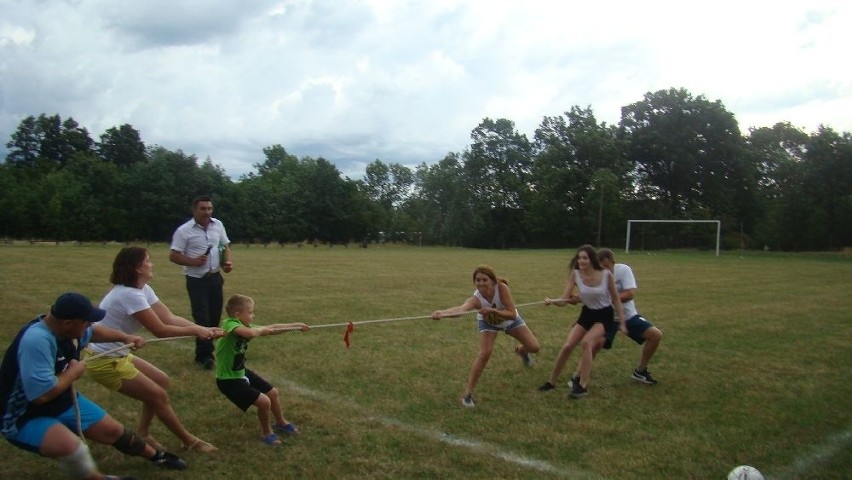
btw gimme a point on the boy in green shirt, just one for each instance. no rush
(242, 386)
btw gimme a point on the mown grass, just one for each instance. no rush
(753, 367)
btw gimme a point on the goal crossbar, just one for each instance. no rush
(717, 222)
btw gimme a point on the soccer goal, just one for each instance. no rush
(717, 222)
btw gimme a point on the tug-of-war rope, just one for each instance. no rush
(350, 327)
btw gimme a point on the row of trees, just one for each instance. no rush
(672, 156)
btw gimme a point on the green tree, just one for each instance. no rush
(292, 199)
(778, 152)
(828, 180)
(327, 212)
(388, 187)
(19, 203)
(441, 204)
(122, 146)
(46, 143)
(158, 194)
(606, 194)
(570, 150)
(271, 203)
(690, 158)
(497, 168)
(24, 144)
(81, 201)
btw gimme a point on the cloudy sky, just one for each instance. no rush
(406, 81)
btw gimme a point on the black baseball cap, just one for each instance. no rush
(75, 306)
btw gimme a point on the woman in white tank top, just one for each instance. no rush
(496, 313)
(598, 295)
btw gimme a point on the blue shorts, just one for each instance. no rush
(502, 327)
(636, 326)
(30, 435)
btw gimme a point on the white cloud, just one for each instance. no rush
(406, 81)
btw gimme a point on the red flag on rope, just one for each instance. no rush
(349, 329)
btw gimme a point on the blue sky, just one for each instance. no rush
(406, 81)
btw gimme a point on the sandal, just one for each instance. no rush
(200, 445)
(289, 428)
(150, 440)
(271, 439)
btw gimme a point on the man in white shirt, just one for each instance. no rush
(639, 329)
(202, 247)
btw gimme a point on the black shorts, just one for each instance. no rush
(610, 331)
(243, 392)
(588, 317)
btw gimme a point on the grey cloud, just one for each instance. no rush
(158, 23)
(401, 81)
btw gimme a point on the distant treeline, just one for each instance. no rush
(672, 156)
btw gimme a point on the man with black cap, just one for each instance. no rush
(38, 407)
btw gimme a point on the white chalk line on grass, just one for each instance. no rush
(819, 453)
(449, 439)
(438, 436)
(816, 454)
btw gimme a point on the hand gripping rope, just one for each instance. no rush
(350, 327)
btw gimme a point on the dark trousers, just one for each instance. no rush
(206, 300)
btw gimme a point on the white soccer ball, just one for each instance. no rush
(745, 472)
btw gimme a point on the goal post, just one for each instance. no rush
(717, 222)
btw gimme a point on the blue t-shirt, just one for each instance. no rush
(30, 368)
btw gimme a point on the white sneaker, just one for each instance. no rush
(467, 401)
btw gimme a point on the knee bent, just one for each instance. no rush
(162, 381)
(79, 464)
(158, 397)
(272, 394)
(262, 402)
(129, 443)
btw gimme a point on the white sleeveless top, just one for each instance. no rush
(596, 297)
(496, 303)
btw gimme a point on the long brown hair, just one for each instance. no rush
(125, 264)
(489, 272)
(592, 254)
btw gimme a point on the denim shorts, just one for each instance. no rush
(501, 327)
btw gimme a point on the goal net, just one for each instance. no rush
(672, 237)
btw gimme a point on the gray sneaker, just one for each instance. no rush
(467, 401)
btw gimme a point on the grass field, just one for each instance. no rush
(753, 368)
